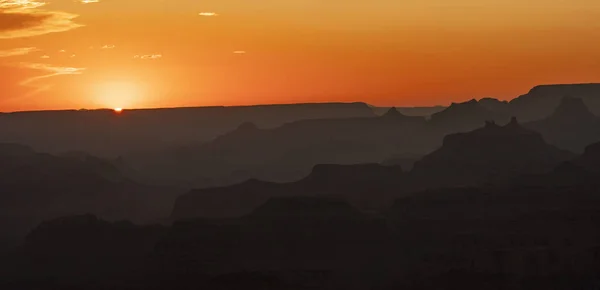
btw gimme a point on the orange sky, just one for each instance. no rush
(70, 54)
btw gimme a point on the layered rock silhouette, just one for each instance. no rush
(37, 186)
(460, 117)
(542, 100)
(572, 126)
(289, 152)
(493, 207)
(79, 249)
(395, 115)
(495, 105)
(508, 237)
(104, 133)
(364, 185)
(493, 153)
(512, 235)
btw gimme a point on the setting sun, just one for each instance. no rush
(118, 110)
(118, 94)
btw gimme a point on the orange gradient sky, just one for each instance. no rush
(167, 53)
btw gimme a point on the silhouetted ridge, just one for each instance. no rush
(83, 247)
(573, 108)
(542, 100)
(493, 135)
(229, 201)
(572, 126)
(393, 113)
(465, 116)
(490, 153)
(494, 105)
(305, 206)
(38, 186)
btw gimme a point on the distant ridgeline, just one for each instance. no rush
(217, 146)
(104, 133)
(289, 152)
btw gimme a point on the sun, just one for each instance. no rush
(117, 95)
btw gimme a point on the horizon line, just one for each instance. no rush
(292, 104)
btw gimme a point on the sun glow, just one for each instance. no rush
(118, 95)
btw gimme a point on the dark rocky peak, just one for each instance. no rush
(495, 135)
(472, 102)
(466, 115)
(490, 154)
(489, 100)
(541, 101)
(494, 104)
(572, 108)
(393, 113)
(306, 206)
(468, 105)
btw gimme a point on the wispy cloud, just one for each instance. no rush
(50, 71)
(148, 56)
(239, 52)
(208, 14)
(88, 1)
(18, 51)
(26, 18)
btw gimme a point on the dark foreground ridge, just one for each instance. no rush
(492, 237)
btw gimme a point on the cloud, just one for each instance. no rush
(208, 14)
(88, 1)
(108, 46)
(148, 56)
(26, 18)
(50, 71)
(240, 52)
(18, 51)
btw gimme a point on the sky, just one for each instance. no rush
(72, 54)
